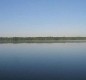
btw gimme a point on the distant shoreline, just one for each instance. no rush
(46, 41)
(42, 39)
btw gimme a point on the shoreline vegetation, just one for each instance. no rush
(42, 39)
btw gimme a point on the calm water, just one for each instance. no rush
(42, 61)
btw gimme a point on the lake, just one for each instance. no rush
(43, 61)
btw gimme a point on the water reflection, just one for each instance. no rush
(57, 61)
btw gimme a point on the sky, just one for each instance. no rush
(26, 18)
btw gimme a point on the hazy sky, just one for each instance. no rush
(42, 17)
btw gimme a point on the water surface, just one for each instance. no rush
(43, 61)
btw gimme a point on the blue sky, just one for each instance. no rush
(42, 18)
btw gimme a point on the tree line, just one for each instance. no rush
(41, 38)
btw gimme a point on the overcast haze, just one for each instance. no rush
(42, 18)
